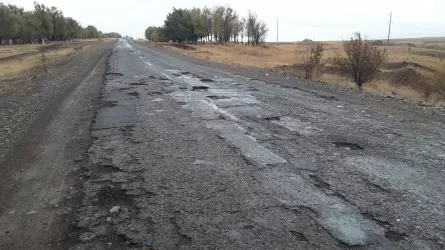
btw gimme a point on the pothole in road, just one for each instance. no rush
(272, 118)
(109, 104)
(207, 80)
(138, 83)
(133, 93)
(112, 196)
(299, 236)
(318, 182)
(114, 74)
(395, 236)
(199, 88)
(347, 145)
(217, 97)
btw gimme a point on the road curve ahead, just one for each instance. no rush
(187, 156)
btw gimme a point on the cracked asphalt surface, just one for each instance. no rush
(188, 156)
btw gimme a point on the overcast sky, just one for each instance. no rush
(298, 19)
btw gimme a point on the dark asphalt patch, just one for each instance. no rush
(348, 145)
(199, 88)
(152, 77)
(126, 88)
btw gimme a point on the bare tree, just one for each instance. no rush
(256, 30)
(242, 28)
(43, 50)
(364, 59)
(311, 60)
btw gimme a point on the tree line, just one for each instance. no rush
(42, 24)
(219, 24)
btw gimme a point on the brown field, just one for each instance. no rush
(418, 74)
(16, 59)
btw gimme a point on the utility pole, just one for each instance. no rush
(277, 31)
(390, 22)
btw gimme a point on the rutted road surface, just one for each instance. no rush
(186, 156)
(194, 157)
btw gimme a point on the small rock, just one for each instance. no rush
(12, 212)
(115, 209)
(108, 219)
(31, 212)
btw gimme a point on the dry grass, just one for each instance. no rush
(15, 59)
(417, 74)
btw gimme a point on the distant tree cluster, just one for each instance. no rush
(44, 23)
(220, 25)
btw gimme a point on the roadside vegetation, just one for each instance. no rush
(414, 69)
(220, 25)
(44, 24)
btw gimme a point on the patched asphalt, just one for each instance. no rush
(191, 156)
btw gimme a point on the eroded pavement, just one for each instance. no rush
(186, 156)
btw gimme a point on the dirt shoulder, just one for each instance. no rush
(46, 132)
(26, 94)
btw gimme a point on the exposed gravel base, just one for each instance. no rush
(19, 107)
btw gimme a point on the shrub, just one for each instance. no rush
(364, 59)
(311, 60)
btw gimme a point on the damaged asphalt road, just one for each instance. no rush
(186, 156)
